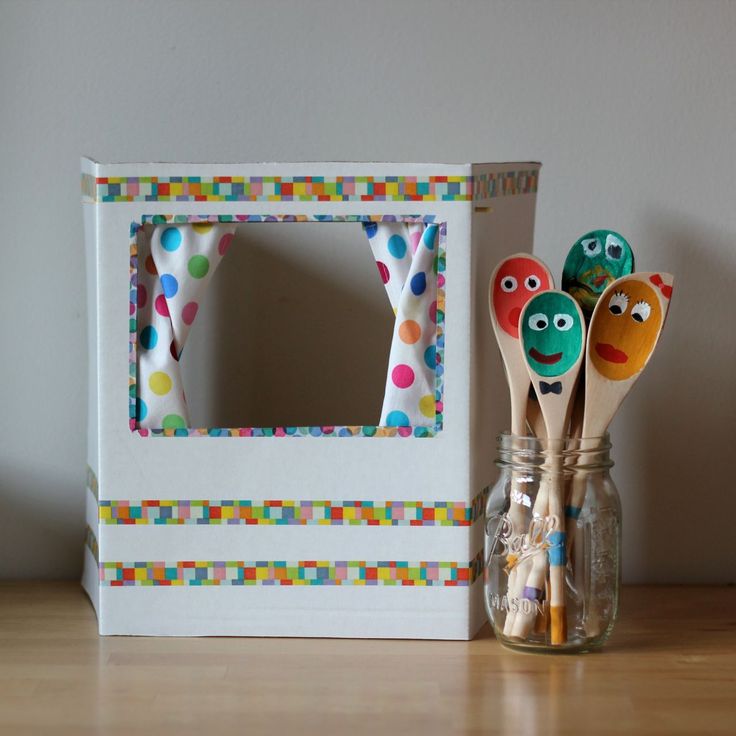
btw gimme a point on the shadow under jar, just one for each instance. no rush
(525, 544)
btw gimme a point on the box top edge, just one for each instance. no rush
(89, 161)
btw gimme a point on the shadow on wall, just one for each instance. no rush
(679, 503)
(278, 343)
(27, 514)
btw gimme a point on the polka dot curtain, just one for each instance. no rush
(405, 254)
(178, 262)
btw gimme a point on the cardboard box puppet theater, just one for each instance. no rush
(293, 394)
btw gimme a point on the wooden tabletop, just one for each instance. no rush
(670, 668)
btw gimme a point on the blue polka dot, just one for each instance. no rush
(428, 236)
(418, 283)
(170, 239)
(149, 337)
(430, 357)
(170, 285)
(397, 419)
(371, 228)
(397, 246)
(141, 410)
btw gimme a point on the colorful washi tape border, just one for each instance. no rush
(308, 188)
(90, 541)
(282, 573)
(440, 266)
(291, 512)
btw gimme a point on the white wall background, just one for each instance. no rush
(631, 107)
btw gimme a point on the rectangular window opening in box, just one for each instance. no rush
(286, 325)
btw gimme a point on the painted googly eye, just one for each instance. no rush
(641, 311)
(508, 284)
(614, 248)
(538, 322)
(563, 322)
(591, 247)
(618, 303)
(532, 283)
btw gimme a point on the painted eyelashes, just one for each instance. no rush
(624, 334)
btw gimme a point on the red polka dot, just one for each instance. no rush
(151, 266)
(224, 243)
(383, 270)
(161, 306)
(433, 312)
(402, 376)
(132, 309)
(404, 431)
(142, 296)
(440, 280)
(189, 312)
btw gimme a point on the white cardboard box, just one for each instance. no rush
(176, 542)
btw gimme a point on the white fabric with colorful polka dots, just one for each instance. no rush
(178, 262)
(405, 255)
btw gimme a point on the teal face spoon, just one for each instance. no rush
(552, 343)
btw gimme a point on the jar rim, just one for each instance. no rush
(582, 452)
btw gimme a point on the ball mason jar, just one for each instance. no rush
(551, 579)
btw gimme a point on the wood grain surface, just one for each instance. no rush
(670, 668)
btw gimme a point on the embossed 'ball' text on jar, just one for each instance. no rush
(524, 543)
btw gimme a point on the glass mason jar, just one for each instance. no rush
(552, 544)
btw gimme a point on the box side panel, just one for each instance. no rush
(90, 574)
(502, 224)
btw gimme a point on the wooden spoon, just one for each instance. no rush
(513, 282)
(595, 261)
(552, 342)
(624, 331)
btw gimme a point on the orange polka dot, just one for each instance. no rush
(150, 266)
(410, 331)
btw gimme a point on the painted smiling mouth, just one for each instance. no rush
(546, 359)
(610, 353)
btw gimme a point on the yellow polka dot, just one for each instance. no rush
(160, 383)
(426, 406)
(202, 227)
